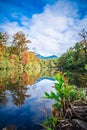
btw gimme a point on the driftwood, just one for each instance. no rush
(78, 119)
(79, 110)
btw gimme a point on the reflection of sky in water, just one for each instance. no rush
(37, 90)
(27, 116)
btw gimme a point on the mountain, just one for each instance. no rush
(47, 57)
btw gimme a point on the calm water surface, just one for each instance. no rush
(21, 102)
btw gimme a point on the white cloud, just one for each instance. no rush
(53, 31)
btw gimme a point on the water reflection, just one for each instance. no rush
(21, 97)
(77, 78)
(17, 84)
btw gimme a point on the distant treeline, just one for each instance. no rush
(17, 55)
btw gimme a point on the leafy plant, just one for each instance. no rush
(85, 67)
(50, 123)
(64, 96)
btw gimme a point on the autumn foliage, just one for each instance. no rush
(17, 55)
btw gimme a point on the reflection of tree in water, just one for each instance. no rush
(3, 97)
(48, 72)
(18, 93)
(27, 79)
(77, 78)
(17, 82)
(13, 83)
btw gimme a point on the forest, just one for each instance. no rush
(15, 55)
(26, 68)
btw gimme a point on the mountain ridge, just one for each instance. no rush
(45, 57)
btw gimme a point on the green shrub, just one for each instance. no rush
(64, 96)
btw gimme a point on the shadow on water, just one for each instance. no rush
(21, 103)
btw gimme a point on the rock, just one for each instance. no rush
(80, 124)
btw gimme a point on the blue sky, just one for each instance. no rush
(51, 25)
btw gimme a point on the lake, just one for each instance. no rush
(21, 104)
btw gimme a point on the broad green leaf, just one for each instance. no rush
(52, 94)
(57, 86)
(57, 76)
(46, 95)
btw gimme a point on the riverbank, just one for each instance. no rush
(70, 108)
